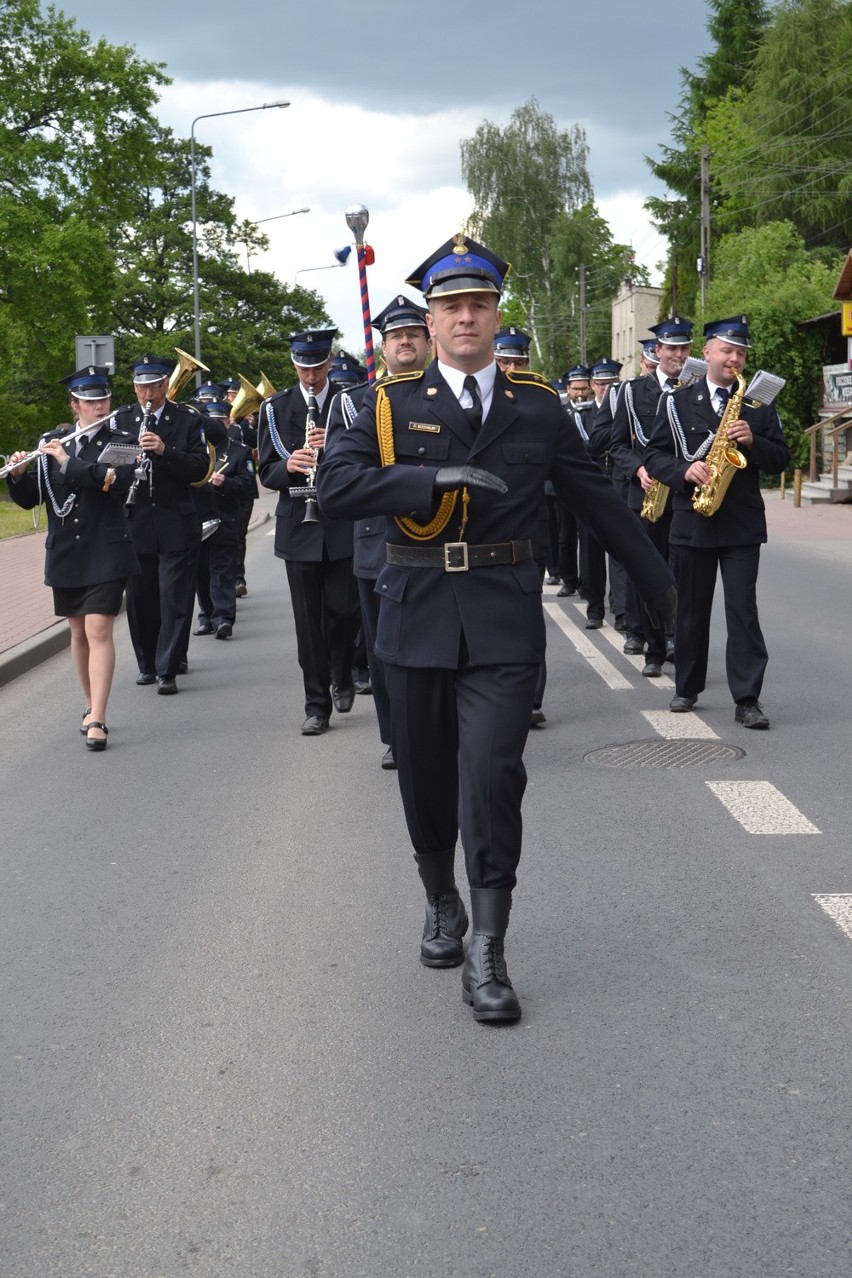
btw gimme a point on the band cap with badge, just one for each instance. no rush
(512, 343)
(734, 330)
(91, 382)
(312, 347)
(151, 368)
(675, 331)
(400, 313)
(346, 371)
(606, 370)
(460, 266)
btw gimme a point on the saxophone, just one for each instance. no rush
(723, 458)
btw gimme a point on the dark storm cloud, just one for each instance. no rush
(608, 63)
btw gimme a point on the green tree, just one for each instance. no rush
(782, 146)
(524, 180)
(246, 316)
(584, 239)
(736, 28)
(768, 272)
(75, 119)
(95, 227)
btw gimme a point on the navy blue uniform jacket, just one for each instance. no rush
(164, 517)
(294, 539)
(525, 439)
(369, 534)
(91, 544)
(635, 412)
(741, 519)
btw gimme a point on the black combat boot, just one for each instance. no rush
(446, 917)
(485, 981)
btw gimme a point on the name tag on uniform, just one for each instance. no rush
(427, 426)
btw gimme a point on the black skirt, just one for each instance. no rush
(103, 597)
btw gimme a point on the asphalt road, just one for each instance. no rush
(222, 1057)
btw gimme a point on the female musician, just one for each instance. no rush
(89, 554)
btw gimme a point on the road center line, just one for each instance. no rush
(760, 808)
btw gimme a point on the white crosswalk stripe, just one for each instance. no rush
(838, 906)
(598, 662)
(760, 808)
(679, 727)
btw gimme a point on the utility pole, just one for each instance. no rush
(704, 259)
(582, 270)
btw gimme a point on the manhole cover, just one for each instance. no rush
(664, 754)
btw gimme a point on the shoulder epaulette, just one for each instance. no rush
(524, 378)
(393, 378)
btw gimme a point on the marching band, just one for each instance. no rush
(417, 510)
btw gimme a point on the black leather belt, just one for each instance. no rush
(458, 556)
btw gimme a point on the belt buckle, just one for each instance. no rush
(455, 556)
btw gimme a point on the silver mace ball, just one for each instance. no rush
(357, 217)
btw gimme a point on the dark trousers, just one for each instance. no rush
(567, 533)
(159, 609)
(458, 739)
(638, 621)
(216, 585)
(244, 521)
(592, 572)
(370, 620)
(745, 652)
(324, 598)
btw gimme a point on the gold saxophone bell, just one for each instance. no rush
(185, 369)
(248, 400)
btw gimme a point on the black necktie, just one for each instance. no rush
(671, 382)
(723, 394)
(474, 413)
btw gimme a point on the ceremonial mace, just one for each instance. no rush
(357, 218)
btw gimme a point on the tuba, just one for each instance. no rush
(186, 367)
(264, 386)
(247, 401)
(723, 458)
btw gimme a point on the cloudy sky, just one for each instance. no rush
(381, 93)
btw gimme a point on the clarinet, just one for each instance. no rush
(308, 491)
(143, 468)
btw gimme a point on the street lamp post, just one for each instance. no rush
(265, 106)
(274, 218)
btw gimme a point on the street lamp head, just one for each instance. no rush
(268, 105)
(357, 218)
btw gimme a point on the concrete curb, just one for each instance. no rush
(32, 652)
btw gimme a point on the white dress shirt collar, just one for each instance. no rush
(454, 377)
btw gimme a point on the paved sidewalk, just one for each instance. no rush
(29, 631)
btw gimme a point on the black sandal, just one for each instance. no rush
(96, 743)
(84, 728)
